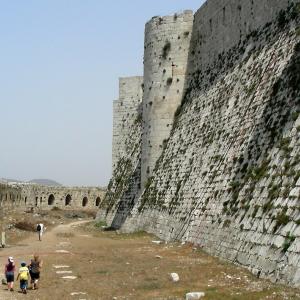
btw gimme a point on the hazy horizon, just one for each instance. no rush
(60, 63)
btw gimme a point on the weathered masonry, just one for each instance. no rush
(10, 196)
(32, 195)
(126, 110)
(166, 47)
(225, 174)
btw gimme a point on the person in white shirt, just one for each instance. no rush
(40, 228)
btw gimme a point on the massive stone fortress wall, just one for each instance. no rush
(127, 128)
(220, 25)
(167, 41)
(227, 178)
(126, 110)
(137, 146)
(63, 197)
(9, 196)
(46, 197)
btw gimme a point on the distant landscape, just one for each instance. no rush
(48, 182)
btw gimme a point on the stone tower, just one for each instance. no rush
(125, 112)
(167, 42)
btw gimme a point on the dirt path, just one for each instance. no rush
(101, 265)
(51, 245)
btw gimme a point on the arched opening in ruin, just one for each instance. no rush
(51, 199)
(84, 201)
(36, 201)
(98, 200)
(25, 200)
(68, 200)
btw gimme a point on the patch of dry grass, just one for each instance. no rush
(129, 266)
(26, 226)
(65, 234)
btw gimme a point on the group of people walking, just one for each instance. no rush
(25, 272)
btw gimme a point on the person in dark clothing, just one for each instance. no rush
(34, 271)
(10, 273)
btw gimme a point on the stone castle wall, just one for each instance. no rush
(123, 189)
(221, 25)
(47, 197)
(125, 112)
(141, 140)
(227, 177)
(167, 41)
(10, 196)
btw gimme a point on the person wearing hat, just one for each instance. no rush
(10, 273)
(23, 275)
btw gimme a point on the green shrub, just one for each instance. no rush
(287, 243)
(295, 115)
(274, 192)
(234, 185)
(281, 220)
(100, 224)
(258, 173)
(226, 223)
(267, 206)
(138, 119)
(282, 19)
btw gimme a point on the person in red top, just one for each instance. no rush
(10, 273)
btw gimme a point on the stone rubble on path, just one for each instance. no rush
(174, 277)
(60, 266)
(64, 272)
(62, 251)
(77, 293)
(194, 295)
(69, 277)
(64, 244)
(157, 242)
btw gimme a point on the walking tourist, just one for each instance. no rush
(40, 229)
(23, 275)
(10, 273)
(35, 269)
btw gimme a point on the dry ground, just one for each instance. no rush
(109, 265)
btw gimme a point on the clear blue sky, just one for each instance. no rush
(60, 61)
